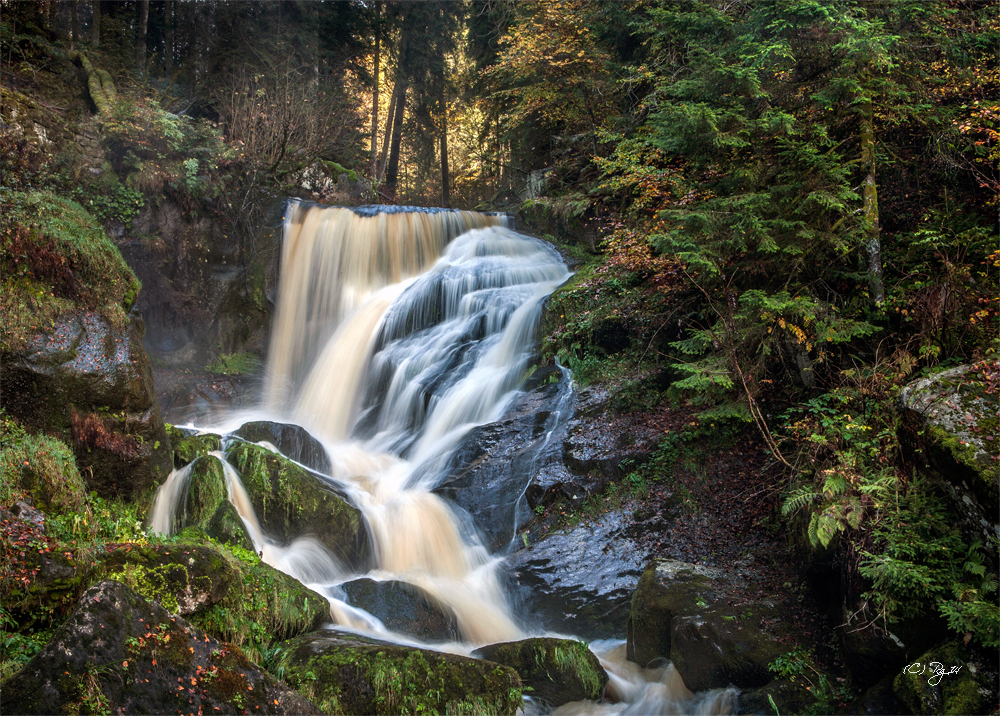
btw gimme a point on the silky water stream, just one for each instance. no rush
(397, 331)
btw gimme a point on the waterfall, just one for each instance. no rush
(396, 332)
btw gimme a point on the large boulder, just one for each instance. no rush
(118, 653)
(579, 580)
(948, 679)
(403, 608)
(355, 675)
(291, 502)
(92, 379)
(686, 613)
(557, 670)
(953, 420)
(293, 441)
(183, 579)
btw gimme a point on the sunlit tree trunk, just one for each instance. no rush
(869, 195)
(392, 168)
(388, 129)
(445, 195)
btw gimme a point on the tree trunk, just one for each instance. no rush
(74, 23)
(873, 243)
(388, 128)
(143, 25)
(445, 194)
(392, 169)
(95, 23)
(168, 38)
(378, 34)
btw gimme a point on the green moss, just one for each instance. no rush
(359, 675)
(234, 364)
(188, 448)
(261, 607)
(206, 491)
(290, 502)
(56, 257)
(966, 691)
(558, 670)
(41, 468)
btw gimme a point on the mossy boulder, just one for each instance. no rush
(948, 679)
(39, 580)
(182, 578)
(119, 653)
(291, 502)
(262, 606)
(189, 446)
(41, 469)
(667, 588)
(227, 527)
(206, 492)
(404, 608)
(557, 670)
(353, 675)
(952, 421)
(71, 356)
(684, 612)
(293, 441)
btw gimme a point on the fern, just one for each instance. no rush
(801, 497)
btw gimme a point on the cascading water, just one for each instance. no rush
(396, 333)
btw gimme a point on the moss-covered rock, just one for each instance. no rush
(948, 679)
(206, 492)
(354, 675)
(666, 589)
(183, 578)
(227, 527)
(188, 447)
(403, 608)
(39, 579)
(291, 502)
(293, 441)
(118, 653)
(40, 468)
(557, 670)
(684, 612)
(952, 422)
(263, 605)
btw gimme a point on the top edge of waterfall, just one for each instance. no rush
(369, 210)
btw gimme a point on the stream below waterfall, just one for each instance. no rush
(397, 332)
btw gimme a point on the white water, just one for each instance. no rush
(394, 336)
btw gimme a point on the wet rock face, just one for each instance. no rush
(356, 675)
(557, 670)
(578, 581)
(956, 423)
(497, 462)
(293, 441)
(686, 613)
(404, 608)
(93, 380)
(188, 446)
(291, 502)
(119, 653)
(197, 297)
